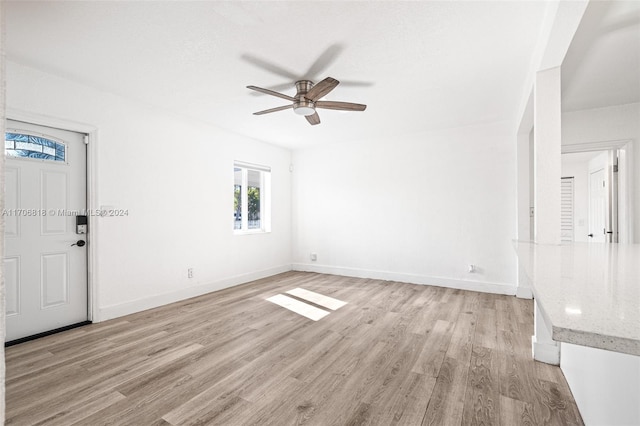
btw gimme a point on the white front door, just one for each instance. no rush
(597, 207)
(45, 189)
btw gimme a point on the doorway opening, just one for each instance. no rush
(597, 203)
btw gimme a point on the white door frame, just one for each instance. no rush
(625, 175)
(92, 194)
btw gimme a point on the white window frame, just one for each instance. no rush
(265, 198)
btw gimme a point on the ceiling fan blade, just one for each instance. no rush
(350, 83)
(313, 119)
(342, 106)
(324, 61)
(267, 111)
(321, 89)
(271, 92)
(275, 69)
(277, 87)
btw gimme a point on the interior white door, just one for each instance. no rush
(597, 206)
(45, 188)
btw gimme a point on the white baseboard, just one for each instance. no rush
(524, 293)
(138, 305)
(481, 286)
(548, 352)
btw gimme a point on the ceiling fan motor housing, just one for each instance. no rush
(302, 105)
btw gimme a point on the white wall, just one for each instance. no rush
(418, 208)
(176, 179)
(621, 122)
(604, 384)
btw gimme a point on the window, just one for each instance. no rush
(251, 202)
(24, 145)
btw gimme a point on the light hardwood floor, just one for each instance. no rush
(395, 354)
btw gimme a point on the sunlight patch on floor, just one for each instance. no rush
(298, 307)
(317, 298)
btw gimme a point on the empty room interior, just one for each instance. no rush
(320, 212)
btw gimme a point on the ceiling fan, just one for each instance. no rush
(323, 62)
(307, 99)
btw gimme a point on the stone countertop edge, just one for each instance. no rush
(596, 340)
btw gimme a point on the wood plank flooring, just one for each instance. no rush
(396, 354)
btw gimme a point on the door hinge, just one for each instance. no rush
(615, 168)
(86, 139)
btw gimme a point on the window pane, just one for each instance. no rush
(237, 198)
(253, 198)
(29, 146)
(251, 204)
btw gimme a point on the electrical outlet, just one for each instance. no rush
(190, 273)
(314, 257)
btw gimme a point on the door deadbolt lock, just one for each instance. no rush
(81, 224)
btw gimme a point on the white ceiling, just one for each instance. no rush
(424, 65)
(602, 66)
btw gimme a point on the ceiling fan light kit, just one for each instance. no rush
(307, 99)
(302, 105)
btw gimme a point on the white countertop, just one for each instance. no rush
(588, 292)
